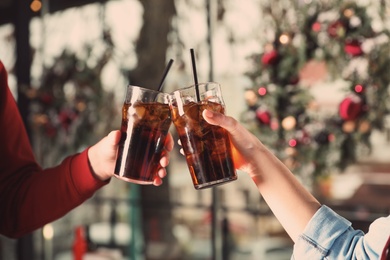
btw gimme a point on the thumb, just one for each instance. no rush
(233, 128)
(113, 138)
(227, 122)
(102, 155)
(110, 144)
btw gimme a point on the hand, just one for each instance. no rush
(102, 157)
(164, 161)
(245, 146)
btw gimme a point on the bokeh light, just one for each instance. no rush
(36, 6)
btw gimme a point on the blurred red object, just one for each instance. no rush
(350, 108)
(80, 245)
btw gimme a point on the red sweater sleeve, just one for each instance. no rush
(31, 196)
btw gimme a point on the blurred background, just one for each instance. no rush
(309, 78)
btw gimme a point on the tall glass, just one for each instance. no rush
(206, 147)
(145, 124)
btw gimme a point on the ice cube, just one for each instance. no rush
(191, 110)
(216, 107)
(140, 111)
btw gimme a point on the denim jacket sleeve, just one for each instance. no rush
(330, 236)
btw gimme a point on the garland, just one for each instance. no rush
(281, 110)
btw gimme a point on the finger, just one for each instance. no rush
(227, 122)
(162, 172)
(108, 146)
(164, 161)
(169, 143)
(114, 137)
(179, 142)
(182, 151)
(242, 140)
(157, 181)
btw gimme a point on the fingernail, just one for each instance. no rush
(209, 113)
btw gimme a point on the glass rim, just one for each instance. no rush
(199, 84)
(147, 89)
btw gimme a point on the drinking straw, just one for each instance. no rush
(167, 68)
(195, 74)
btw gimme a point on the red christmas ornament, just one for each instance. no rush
(336, 29)
(263, 116)
(269, 58)
(353, 48)
(350, 108)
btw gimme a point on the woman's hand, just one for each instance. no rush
(102, 157)
(245, 146)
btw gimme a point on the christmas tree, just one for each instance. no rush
(282, 112)
(70, 109)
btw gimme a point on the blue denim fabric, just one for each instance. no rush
(330, 236)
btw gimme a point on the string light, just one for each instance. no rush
(292, 142)
(36, 6)
(48, 232)
(262, 91)
(358, 88)
(289, 122)
(348, 13)
(284, 39)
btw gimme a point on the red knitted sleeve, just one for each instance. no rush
(31, 196)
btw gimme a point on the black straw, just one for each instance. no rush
(195, 74)
(167, 68)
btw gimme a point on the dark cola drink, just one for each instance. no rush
(206, 147)
(143, 133)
